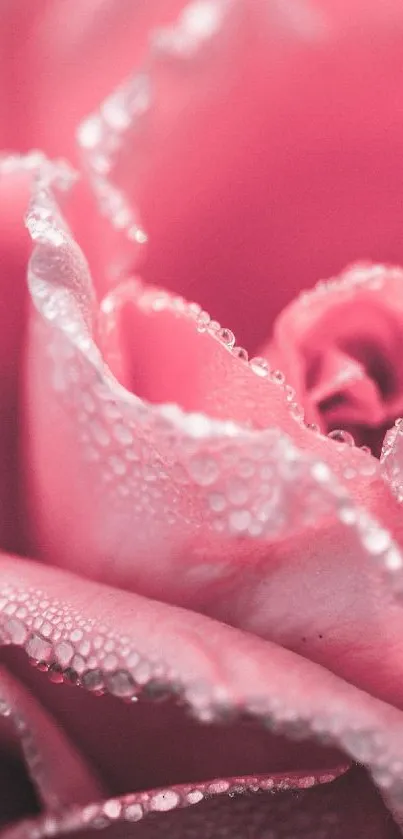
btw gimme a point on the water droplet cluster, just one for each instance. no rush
(67, 646)
(17, 163)
(127, 111)
(392, 459)
(340, 436)
(134, 808)
(247, 485)
(149, 465)
(357, 277)
(195, 27)
(101, 137)
(28, 742)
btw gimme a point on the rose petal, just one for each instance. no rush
(45, 52)
(15, 180)
(231, 147)
(58, 772)
(166, 350)
(339, 346)
(346, 809)
(17, 105)
(392, 460)
(213, 667)
(237, 522)
(172, 749)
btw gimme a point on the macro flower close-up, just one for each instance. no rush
(201, 419)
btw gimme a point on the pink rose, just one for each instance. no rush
(202, 555)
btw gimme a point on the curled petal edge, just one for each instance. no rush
(194, 455)
(216, 671)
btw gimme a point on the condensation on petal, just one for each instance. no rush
(215, 670)
(225, 806)
(196, 51)
(167, 350)
(44, 746)
(124, 117)
(140, 480)
(392, 459)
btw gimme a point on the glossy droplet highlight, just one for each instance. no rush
(227, 337)
(277, 377)
(259, 366)
(16, 630)
(93, 680)
(164, 801)
(341, 436)
(121, 684)
(38, 648)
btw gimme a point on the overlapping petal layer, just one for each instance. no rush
(339, 346)
(260, 142)
(276, 531)
(54, 71)
(58, 772)
(240, 519)
(219, 673)
(345, 809)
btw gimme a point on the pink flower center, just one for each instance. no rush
(340, 347)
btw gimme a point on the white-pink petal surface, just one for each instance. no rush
(215, 667)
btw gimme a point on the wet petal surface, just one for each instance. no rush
(239, 518)
(215, 670)
(339, 347)
(279, 160)
(345, 809)
(59, 775)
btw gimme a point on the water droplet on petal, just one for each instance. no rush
(93, 680)
(165, 800)
(117, 465)
(296, 411)
(239, 352)
(203, 321)
(38, 648)
(227, 337)
(194, 796)
(215, 326)
(217, 502)
(237, 492)
(120, 683)
(259, 366)
(277, 377)
(99, 433)
(341, 436)
(133, 812)
(203, 470)
(123, 435)
(376, 539)
(17, 631)
(393, 560)
(240, 520)
(289, 393)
